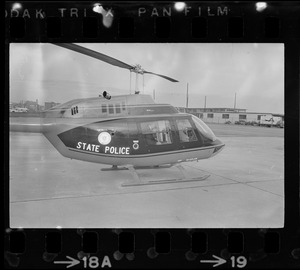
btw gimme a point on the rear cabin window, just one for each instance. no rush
(157, 132)
(186, 131)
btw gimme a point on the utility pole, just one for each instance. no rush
(154, 94)
(130, 83)
(136, 83)
(205, 103)
(234, 101)
(187, 96)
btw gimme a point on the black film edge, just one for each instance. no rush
(221, 69)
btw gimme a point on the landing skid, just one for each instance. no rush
(137, 181)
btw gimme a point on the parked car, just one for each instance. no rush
(241, 122)
(21, 110)
(270, 120)
(228, 122)
(280, 124)
(252, 123)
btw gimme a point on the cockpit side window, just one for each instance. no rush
(157, 132)
(186, 131)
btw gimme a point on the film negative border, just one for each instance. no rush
(134, 248)
(149, 22)
(161, 22)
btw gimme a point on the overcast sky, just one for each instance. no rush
(255, 72)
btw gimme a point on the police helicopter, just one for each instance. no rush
(131, 131)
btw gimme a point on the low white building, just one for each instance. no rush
(230, 115)
(233, 117)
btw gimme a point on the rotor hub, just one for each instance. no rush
(138, 69)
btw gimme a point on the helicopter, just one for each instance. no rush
(125, 130)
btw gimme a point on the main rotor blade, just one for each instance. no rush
(105, 58)
(163, 76)
(94, 54)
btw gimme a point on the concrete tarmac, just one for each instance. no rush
(245, 188)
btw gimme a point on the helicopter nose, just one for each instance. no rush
(219, 145)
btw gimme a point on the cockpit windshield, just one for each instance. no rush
(203, 128)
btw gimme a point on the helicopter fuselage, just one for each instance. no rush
(117, 133)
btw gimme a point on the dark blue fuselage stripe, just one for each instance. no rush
(145, 155)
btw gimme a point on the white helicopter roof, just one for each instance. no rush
(128, 99)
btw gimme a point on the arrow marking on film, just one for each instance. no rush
(217, 262)
(70, 263)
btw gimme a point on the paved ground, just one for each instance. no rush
(245, 188)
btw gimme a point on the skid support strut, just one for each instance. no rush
(114, 168)
(137, 181)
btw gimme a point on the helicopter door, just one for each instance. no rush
(187, 134)
(157, 135)
(135, 139)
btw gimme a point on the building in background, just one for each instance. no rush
(32, 106)
(235, 116)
